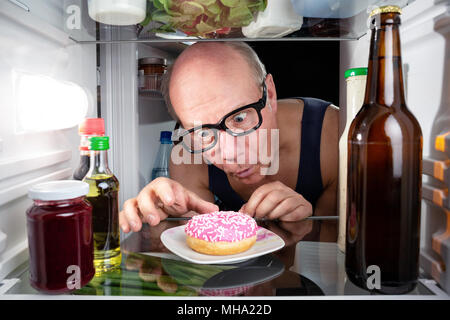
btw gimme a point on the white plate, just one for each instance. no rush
(175, 240)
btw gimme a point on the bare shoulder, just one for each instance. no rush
(285, 105)
(329, 146)
(288, 107)
(192, 176)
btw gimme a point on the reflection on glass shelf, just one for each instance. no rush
(147, 275)
(318, 270)
(197, 20)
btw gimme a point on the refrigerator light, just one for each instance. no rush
(44, 103)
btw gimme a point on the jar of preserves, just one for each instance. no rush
(151, 70)
(60, 238)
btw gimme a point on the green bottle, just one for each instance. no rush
(103, 195)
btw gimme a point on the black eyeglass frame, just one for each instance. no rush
(258, 106)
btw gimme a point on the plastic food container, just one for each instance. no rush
(60, 238)
(356, 88)
(151, 70)
(277, 20)
(118, 12)
(331, 8)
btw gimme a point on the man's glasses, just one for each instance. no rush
(239, 122)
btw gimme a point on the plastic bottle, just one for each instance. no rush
(161, 165)
(356, 87)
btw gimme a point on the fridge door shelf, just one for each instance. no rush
(438, 169)
(436, 196)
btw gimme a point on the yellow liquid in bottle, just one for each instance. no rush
(103, 196)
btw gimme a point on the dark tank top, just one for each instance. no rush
(309, 180)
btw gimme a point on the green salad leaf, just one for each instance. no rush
(206, 2)
(158, 4)
(230, 3)
(213, 9)
(191, 8)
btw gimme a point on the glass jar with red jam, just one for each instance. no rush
(60, 238)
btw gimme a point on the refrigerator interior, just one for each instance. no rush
(35, 50)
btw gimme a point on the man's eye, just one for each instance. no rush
(240, 117)
(203, 134)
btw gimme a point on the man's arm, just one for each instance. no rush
(329, 163)
(193, 177)
(185, 194)
(275, 200)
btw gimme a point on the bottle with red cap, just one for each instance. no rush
(90, 127)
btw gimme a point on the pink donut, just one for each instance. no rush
(221, 232)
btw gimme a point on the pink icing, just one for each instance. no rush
(221, 226)
(264, 234)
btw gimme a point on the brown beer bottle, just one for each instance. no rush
(384, 172)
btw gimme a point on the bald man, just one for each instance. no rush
(268, 158)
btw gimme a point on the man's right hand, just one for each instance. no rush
(161, 198)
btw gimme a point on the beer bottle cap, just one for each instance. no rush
(386, 9)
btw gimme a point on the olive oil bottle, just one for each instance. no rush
(103, 195)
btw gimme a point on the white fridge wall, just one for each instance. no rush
(153, 118)
(33, 45)
(423, 54)
(133, 122)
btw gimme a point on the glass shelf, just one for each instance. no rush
(308, 265)
(317, 20)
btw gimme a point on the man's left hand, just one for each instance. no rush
(275, 200)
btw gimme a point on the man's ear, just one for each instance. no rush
(271, 92)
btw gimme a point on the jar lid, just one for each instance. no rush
(153, 60)
(355, 72)
(58, 190)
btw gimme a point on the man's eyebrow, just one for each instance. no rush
(191, 125)
(239, 105)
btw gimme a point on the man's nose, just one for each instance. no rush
(226, 146)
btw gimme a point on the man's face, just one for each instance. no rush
(203, 92)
